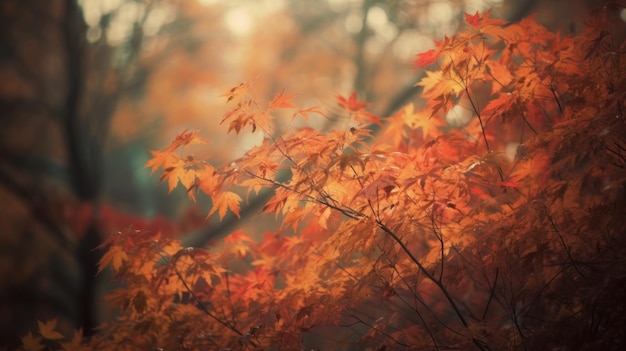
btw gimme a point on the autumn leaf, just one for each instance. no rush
(305, 112)
(484, 22)
(176, 168)
(225, 201)
(179, 172)
(427, 58)
(276, 203)
(428, 125)
(76, 343)
(357, 109)
(439, 83)
(262, 121)
(282, 100)
(351, 104)
(237, 92)
(47, 330)
(185, 138)
(472, 20)
(31, 342)
(161, 159)
(240, 242)
(114, 256)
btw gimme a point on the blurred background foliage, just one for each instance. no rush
(88, 87)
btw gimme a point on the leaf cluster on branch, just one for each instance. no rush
(421, 237)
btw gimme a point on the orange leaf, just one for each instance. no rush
(47, 330)
(161, 159)
(428, 125)
(174, 174)
(282, 100)
(185, 138)
(305, 112)
(225, 201)
(31, 342)
(237, 91)
(114, 256)
(240, 242)
(76, 343)
(351, 104)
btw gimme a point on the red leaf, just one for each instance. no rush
(427, 58)
(351, 104)
(472, 20)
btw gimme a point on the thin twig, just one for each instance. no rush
(201, 306)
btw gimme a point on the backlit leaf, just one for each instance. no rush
(225, 201)
(282, 100)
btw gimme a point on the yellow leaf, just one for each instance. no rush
(416, 119)
(439, 83)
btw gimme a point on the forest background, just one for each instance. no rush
(88, 88)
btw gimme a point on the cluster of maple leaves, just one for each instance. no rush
(420, 237)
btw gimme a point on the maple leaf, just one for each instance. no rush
(161, 159)
(356, 107)
(282, 100)
(263, 121)
(239, 123)
(47, 330)
(428, 125)
(237, 91)
(472, 20)
(427, 58)
(179, 173)
(115, 256)
(240, 242)
(224, 201)
(486, 24)
(351, 104)
(185, 138)
(276, 203)
(439, 84)
(31, 342)
(76, 343)
(305, 112)
(366, 118)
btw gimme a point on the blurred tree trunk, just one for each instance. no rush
(49, 160)
(558, 15)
